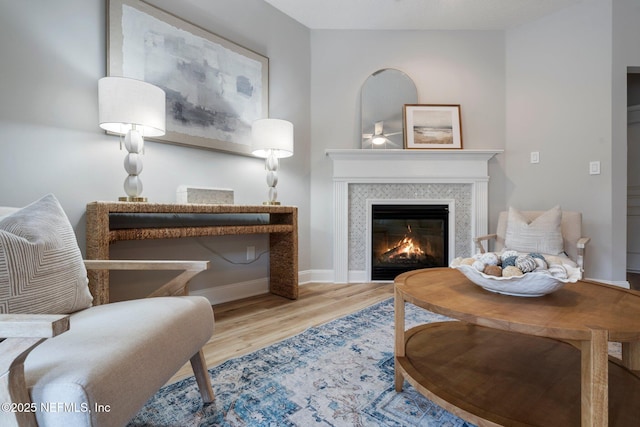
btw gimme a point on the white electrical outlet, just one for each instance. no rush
(251, 253)
(535, 157)
(594, 168)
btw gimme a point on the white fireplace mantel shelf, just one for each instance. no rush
(354, 166)
(432, 165)
(409, 154)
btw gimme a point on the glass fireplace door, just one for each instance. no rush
(408, 237)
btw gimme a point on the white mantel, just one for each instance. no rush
(404, 167)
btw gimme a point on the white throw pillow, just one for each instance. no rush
(542, 235)
(41, 267)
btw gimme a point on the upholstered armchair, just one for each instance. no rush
(64, 362)
(554, 232)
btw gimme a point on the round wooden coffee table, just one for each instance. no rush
(518, 361)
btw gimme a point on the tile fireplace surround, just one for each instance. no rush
(361, 178)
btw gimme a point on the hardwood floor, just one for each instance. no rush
(249, 324)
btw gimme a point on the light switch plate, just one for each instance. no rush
(594, 168)
(535, 157)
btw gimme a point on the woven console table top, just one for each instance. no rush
(189, 208)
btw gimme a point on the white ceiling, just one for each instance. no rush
(417, 14)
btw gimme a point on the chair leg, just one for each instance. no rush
(202, 377)
(13, 389)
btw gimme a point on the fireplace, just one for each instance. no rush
(457, 177)
(408, 237)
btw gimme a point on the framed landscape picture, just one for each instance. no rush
(215, 88)
(432, 126)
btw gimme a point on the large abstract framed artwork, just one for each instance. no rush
(432, 126)
(215, 88)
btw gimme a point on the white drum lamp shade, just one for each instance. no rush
(124, 102)
(273, 140)
(273, 135)
(135, 109)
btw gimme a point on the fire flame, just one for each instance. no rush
(405, 248)
(409, 247)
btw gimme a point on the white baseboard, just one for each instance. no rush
(305, 277)
(233, 291)
(357, 276)
(236, 291)
(328, 276)
(319, 276)
(620, 283)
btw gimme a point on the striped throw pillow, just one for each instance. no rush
(543, 234)
(41, 267)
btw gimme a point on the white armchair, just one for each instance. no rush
(89, 365)
(573, 243)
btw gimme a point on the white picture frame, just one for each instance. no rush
(432, 126)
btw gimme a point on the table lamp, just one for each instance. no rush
(272, 139)
(135, 109)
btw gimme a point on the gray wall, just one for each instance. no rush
(53, 53)
(556, 86)
(567, 98)
(625, 57)
(559, 103)
(448, 67)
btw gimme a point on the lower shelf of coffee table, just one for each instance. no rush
(493, 377)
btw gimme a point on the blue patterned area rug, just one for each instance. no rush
(337, 374)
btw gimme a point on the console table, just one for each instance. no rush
(517, 361)
(107, 222)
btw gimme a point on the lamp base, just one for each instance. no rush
(132, 199)
(271, 203)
